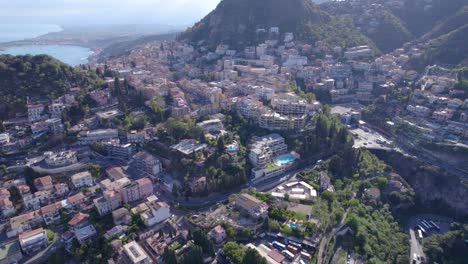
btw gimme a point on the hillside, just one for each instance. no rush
(235, 22)
(420, 16)
(451, 48)
(37, 77)
(376, 21)
(452, 23)
(125, 47)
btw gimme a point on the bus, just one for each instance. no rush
(420, 234)
(306, 255)
(278, 245)
(435, 225)
(288, 254)
(422, 229)
(415, 258)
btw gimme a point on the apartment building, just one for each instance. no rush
(252, 206)
(133, 253)
(144, 164)
(89, 137)
(110, 201)
(82, 179)
(33, 241)
(265, 148)
(117, 150)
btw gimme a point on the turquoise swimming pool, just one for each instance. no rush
(284, 159)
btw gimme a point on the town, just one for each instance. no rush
(182, 152)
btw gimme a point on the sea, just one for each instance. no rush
(72, 55)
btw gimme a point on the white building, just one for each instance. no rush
(63, 158)
(133, 253)
(82, 179)
(4, 138)
(98, 135)
(265, 148)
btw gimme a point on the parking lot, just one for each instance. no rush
(443, 223)
(367, 138)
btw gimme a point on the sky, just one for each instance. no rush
(63, 12)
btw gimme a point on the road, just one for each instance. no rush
(221, 197)
(416, 247)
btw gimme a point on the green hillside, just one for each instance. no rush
(377, 22)
(235, 22)
(37, 77)
(452, 23)
(451, 48)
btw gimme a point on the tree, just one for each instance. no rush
(169, 256)
(234, 252)
(2, 127)
(253, 257)
(95, 170)
(221, 145)
(194, 255)
(200, 239)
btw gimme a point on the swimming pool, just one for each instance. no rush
(294, 225)
(284, 159)
(232, 148)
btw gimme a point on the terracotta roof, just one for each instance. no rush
(143, 181)
(42, 181)
(78, 218)
(27, 234)
(76, 198)
(276, 256)
(24, 189)
(50, 208)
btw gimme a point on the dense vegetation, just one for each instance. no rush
(377, 236)
(450, 48)
(235, 22)
(239, 254)
(448, 248)
(37, 77)
(378, 23)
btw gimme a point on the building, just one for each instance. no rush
(35, 112)
(107, 203)
(33, 241)
(217, 234)
(77, 199)
(121, 151)
(252, 206)
(51, 213)
(60, 159)
(60, 189)
(145, 187)
(89, 137)
(133, 253)
(43, 183)
(189, 146)
(82, 179)
(130, 193)
(116, 173)
(121, 216)
(136, 137)
(145, 164)
(297, 191)
(78, 221)
(4, 138)
(153, 212)
(265, 148)
(56, 109)
(85, 233)
(211, 126)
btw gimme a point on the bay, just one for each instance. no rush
(72, 55)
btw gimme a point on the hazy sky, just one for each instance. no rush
(172, 12)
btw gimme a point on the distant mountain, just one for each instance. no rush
(37, 77)
(235, 22)
(122, 48)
